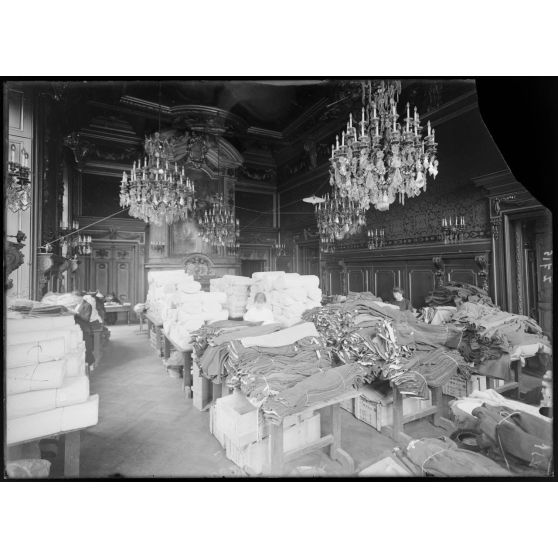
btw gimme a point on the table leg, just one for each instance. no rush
(335, 450)
(276, 450)
(437, 418)
(166, 347)
(397, 414)
(71, 454)
(187, 373)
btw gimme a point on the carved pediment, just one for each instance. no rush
(199, 266)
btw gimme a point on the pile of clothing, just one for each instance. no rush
(391, 343)
(444, 295)
(514, 431)
(237, 290)
(288, 294)
(211, 344)
(323, 385)
(265, 366)
(46, 383)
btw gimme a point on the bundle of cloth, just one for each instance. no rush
(263, 366)
(320, 386)
(514, 430)
(237, 291)
(441, 457)
(211, 344)
(46, 383)
(167, 282)
(384, 339)
(183, 313)
(443, 295)
(288, 294)
(491, 338)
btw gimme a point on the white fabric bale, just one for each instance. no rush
(27, 354)
(72, 391)
(43, 323)
(54, 421)
(47, 375)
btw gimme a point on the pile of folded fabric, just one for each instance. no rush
(288, 294)
(46, 383)
(263, 366)
(443, 295)
(184, 313)
(211, 344)
(321, 386)
(237, 290)
(384, 339)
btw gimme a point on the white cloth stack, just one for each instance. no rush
(289, 294)
(237, 289)
(47, 388)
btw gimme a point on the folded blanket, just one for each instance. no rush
(319, 387)
(283, 337)
(72, 391)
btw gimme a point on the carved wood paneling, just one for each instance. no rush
(463, 275)
(420, 283)
(357, 281)
(384, 281)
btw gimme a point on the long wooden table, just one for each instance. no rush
(117, 308)
(330, 439)
(186, 353)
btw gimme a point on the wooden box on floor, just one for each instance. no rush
(377, 411)
(255, 457)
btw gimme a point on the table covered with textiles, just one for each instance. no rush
(331, 439)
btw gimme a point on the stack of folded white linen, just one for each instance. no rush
(237, 289)
(185, 313)
(46, 383)
(163, 283)
(288, 294)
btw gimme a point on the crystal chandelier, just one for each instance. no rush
(337, 218)
(158, 191)
(218, 226)
(380, 159)
(18, 194)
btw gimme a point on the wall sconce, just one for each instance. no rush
(81, 245)
(157, 246)
(376, 238)
(280, 249)
(18, 195)
(453, 229)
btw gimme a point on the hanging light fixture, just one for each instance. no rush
(380, 159)
(18, 192)
(158, 191)
(337, 218)
(218, 226)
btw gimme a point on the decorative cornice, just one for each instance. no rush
(199, 118)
